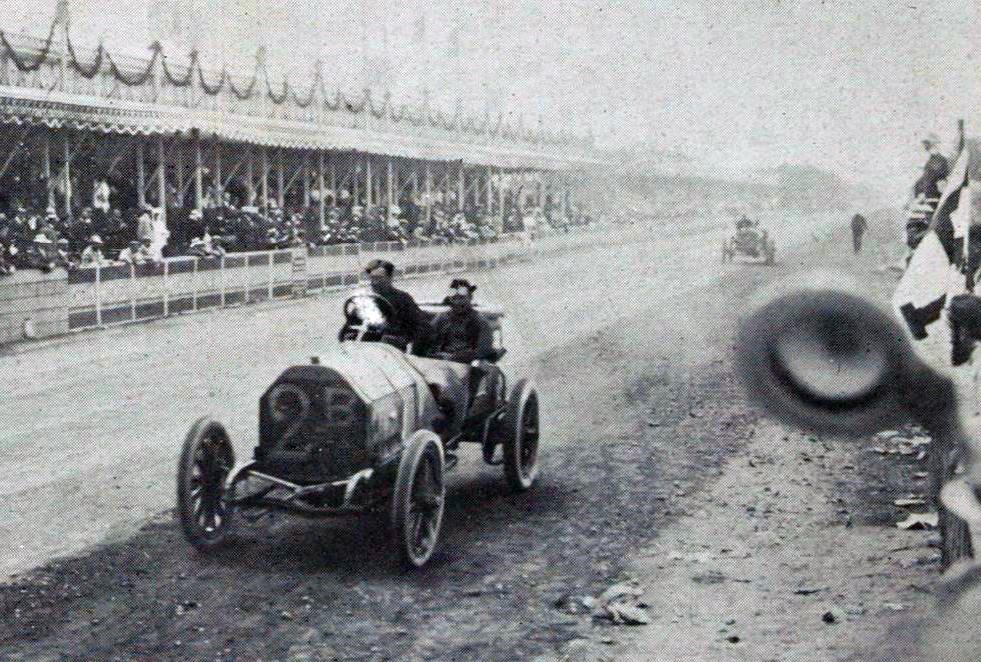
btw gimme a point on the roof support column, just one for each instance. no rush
(306, 179)
(428, 194)
(333, 183)
(280, 188)
(219, 184)
(68, 173)
(47, 166)
(322, 202)
(249, 176)
(367, 182)
(489, 193)
(179, 168)
(264, 184)
(140, 172)
(461, 186)
(390, 183)
(198, 173)
(162, 177)
(500, 199)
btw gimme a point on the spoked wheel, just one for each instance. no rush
(519, 437)
(419, 499)
(206, 462)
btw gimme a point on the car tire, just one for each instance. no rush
(205, 463)
(419, 499)
(519, 434)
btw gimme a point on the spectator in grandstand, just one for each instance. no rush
(136, 253)
(92, 255)
(144, 224)
(39, 255)
(100, 195)
(63, 255)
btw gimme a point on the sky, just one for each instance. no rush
(847, 85)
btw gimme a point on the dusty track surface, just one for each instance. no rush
(645, 429)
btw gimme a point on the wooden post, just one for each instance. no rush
(68, 174)
(249, 176)
(428, 193)
(264, 184)
(367, 181)
(333, 183)
(500, 199)
(162, 177)
(489, 193)
(47, 166)
(198, 173)
(390, 183)
(280, 193)
(306, 179)
(461, 186)
(320, 188)
(218, 181)
(140, 173)
(179, 166)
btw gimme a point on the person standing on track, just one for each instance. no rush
(859, 226)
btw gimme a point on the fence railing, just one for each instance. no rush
(115, 294)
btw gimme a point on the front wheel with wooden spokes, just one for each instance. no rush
(202, 505)
(419, 499)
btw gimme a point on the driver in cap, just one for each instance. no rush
(407, 320)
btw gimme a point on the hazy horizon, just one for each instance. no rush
(850, 86)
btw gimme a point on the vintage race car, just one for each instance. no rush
(750, 240)
(364, 427)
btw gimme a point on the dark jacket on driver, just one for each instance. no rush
(407, 319)
(464, 337)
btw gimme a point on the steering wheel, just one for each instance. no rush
(365, 317)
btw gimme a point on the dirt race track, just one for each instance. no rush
(646, 440)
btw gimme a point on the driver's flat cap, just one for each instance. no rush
(382, 264)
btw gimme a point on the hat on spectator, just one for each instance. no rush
(96, 239)
(41, 238)
(52, 213)
(62, 242)
(195, 214)
(197, 241)
(134, 244)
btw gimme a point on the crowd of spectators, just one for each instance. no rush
(101, 235)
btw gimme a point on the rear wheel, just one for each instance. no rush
(519, 431)
(206, 461)
(419, 499)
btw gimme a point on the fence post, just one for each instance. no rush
(221, 280)
(269, 256)
(132, 293)
(194, 287)
(98, 295)
(166, 297)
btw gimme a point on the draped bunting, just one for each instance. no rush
(103, 62)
